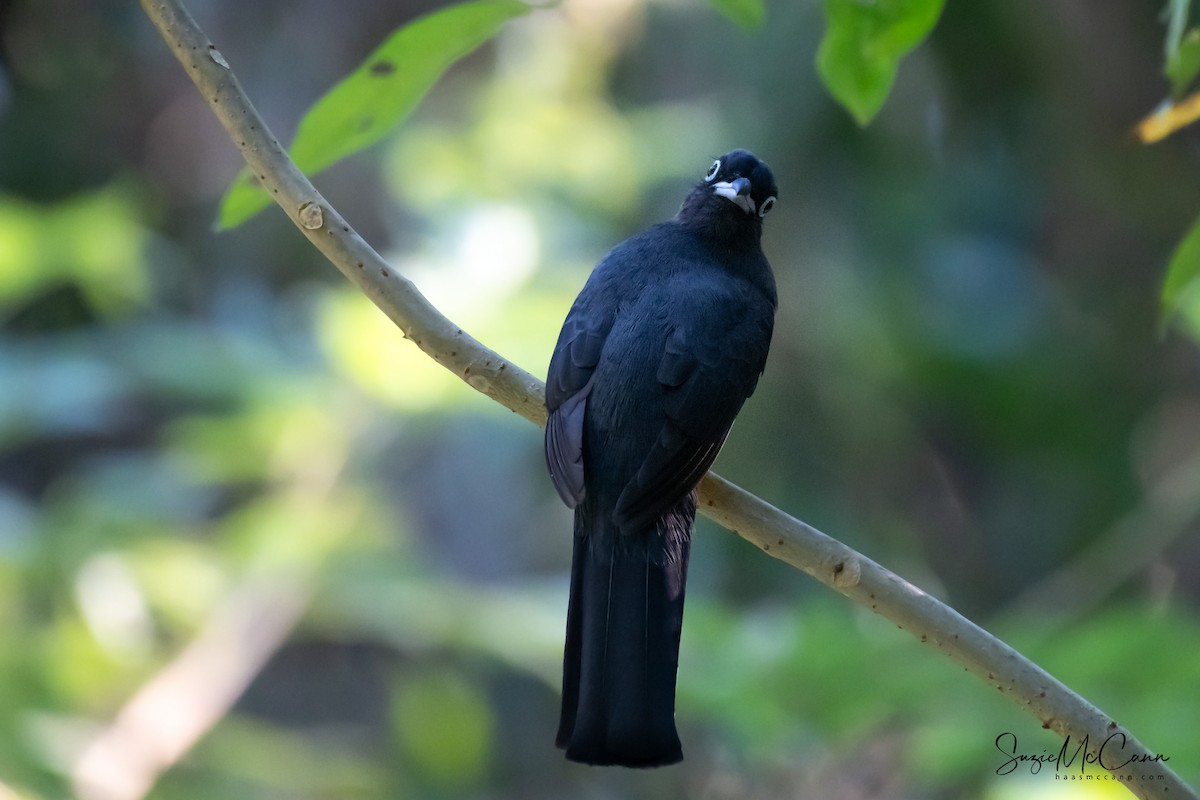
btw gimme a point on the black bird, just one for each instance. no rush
(658, 353)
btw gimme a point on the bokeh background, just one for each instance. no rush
(236, 505)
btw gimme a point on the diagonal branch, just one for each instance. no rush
(776, 533)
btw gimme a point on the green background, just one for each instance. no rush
(970, 383)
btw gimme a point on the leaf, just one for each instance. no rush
(863, 44)
(1177, 15)
(1182, 272)
(371, 101)
(743, 13)
(1184, 64)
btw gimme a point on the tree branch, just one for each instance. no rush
(173, 710)
(776, 533)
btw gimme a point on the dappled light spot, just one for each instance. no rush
(444, 727)
(95, 241)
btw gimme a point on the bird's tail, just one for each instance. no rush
(622, 649)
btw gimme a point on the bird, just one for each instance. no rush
(665, 342)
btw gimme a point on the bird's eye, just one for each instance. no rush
(766, 206)
(713, 170)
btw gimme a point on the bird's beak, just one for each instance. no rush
(737, 191)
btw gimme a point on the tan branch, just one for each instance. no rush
(776, 533)
(178, 705)
(167, 716)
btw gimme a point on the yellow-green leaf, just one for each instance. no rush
(1184, 64)
(863, 44)
(371, 101)
(1183, 271)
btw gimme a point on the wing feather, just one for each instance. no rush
(568, 385)
(707, 371)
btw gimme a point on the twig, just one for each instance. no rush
(396, 296)
(778, 534)
(167, 716)
(173, 710)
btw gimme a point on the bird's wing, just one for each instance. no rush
(568, 384)
(711, 363)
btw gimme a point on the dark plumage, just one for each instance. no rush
(657, 355)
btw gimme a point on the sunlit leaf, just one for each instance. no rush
(376, 97)
(744, 13)
(1184, 64)
(1182, 271)
(863, 45)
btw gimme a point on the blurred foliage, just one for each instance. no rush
(746, 13)
(1183, 65)
(1181, 289)
(969, 382)
(92, 241)
(1177, 13)
(1183, 279)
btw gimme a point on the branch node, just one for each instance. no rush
(847, 573)
(478, 382)
(311, 216)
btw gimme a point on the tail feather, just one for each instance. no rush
(622, 648)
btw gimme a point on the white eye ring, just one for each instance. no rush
(713, 170)
(766, 206)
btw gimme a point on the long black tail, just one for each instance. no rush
(622, 651)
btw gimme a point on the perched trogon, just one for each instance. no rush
(665, 342)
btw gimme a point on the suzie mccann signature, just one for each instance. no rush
(1109, 756)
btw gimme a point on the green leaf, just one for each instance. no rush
(743, 13)
(1182, 272)
(1177, 12)
(864, 42)
(1183, 66)
(371, 101)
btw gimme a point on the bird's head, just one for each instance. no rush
(738, 190)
